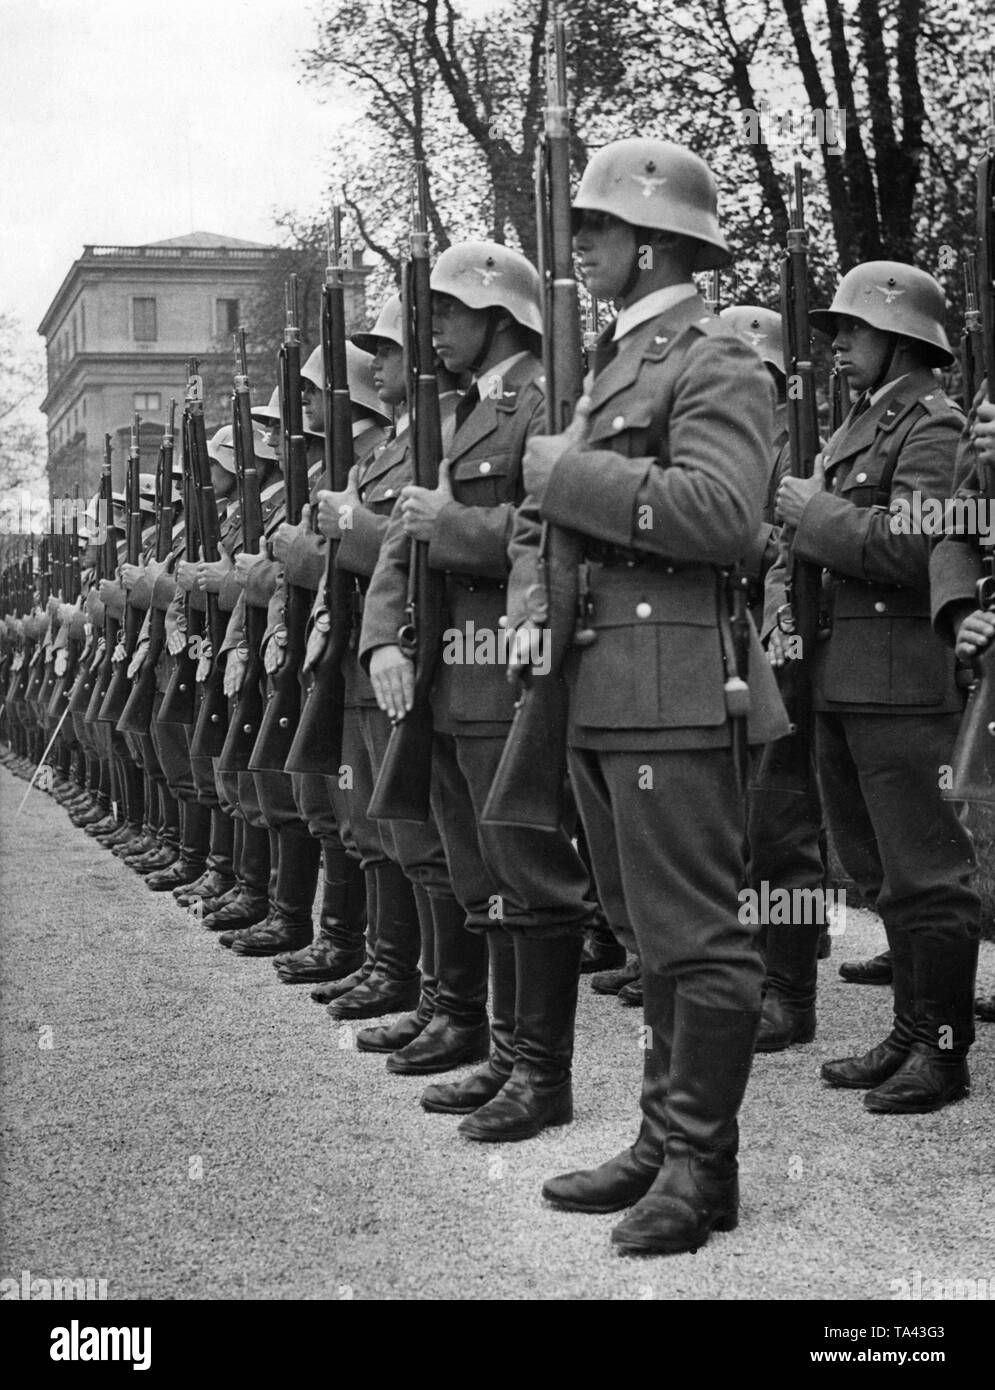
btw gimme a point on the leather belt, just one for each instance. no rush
(473, 582)
(604, 553)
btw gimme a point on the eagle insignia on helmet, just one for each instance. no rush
(486, 271)
(890, 291)
(647, 184)
(753, 335)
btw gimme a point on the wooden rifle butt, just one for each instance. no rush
(402, 790)
(973, 766)
(529, 787)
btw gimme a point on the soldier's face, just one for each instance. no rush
(605, 248)
(863, 351)
(222, 481)
(458, 332)
(314, 407)
(388, 372)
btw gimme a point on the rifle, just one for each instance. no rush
(64, 683)
(136, 717)
(246, 715)
(972, 349)
(211, 723)
(530, 785)
(839, 396)
(119, 688)
(283, 700)
(108, 565)
(402, 787)
(317, 745)
(179, 701)
(973, 768)
(786, 764)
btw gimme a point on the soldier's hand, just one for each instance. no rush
(244, 563)
(983, 432)
(335, 509)
(154, 568)
(975, 634)
(234, 674)
(186, 575)
(176, 641)
(543, 451)
(282, 539)
(106, 589)
(794, 494)
(776, 649)
(420, 506)
(521, 649)
(130, 575)
(393, 678)
(211, 574)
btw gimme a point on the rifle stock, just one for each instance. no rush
(246, 710)
(317, 745)
(211, 720)
(179, 700)
(120, 686)
(786, 763)
(136, 717)
(403, 785)
(102, 676)
(973, 766)
(530, 785)
(282, 707)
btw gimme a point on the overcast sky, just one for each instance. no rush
(129, 121)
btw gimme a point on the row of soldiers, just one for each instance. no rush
(672, 482)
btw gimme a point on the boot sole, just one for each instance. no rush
(925, 1109)
(372, 1010)
(782, 1045)
(650, 1246)
(441, 1064)
(514, 1136)
(592, 1209)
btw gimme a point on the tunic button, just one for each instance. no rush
(861, 478)
(503, 620)
(643, 610)
(485, 467)
(619, 422)
(880, 607)
(389, 492)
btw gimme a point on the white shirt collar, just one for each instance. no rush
(491, 382)
(651, 306)
(887, 387)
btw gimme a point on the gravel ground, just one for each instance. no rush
(179, 1123)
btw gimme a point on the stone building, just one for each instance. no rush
(120, 331)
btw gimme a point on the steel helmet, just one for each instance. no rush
(389, 325)
(146, 491)
(760, 328)
(654, 183)
(221, 448)
(486, 275)
(894, 298)
(266, 414)
(359, 370)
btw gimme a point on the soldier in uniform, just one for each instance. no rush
(663, 473)
(787, 841)
(886, 699)
(523, 893)
(957, 564)
(358, 519)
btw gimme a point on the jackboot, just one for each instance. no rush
(127, 834)
(622, 1180)
(611, 981)
(934, 1073)
(338, 947)
(195, 822)
(466, 1096)
(289, 924)
(788, 1014)
(160, 858)
(984, 1008)
(864, 1072)
(697, 1189)
(394, 983)
(602, 949)
(219, 874)
(248, 902)
(876, 971)
(458, 1032)
(538, 1093)
(391, 1037)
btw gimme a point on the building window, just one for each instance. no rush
(144, 320)
(82, 323)
(225, 317)
(148, 400)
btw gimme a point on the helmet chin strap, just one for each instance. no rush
(493, 314)
(885, 366)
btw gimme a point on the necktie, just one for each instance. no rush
(467, 405)
(863, 403)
